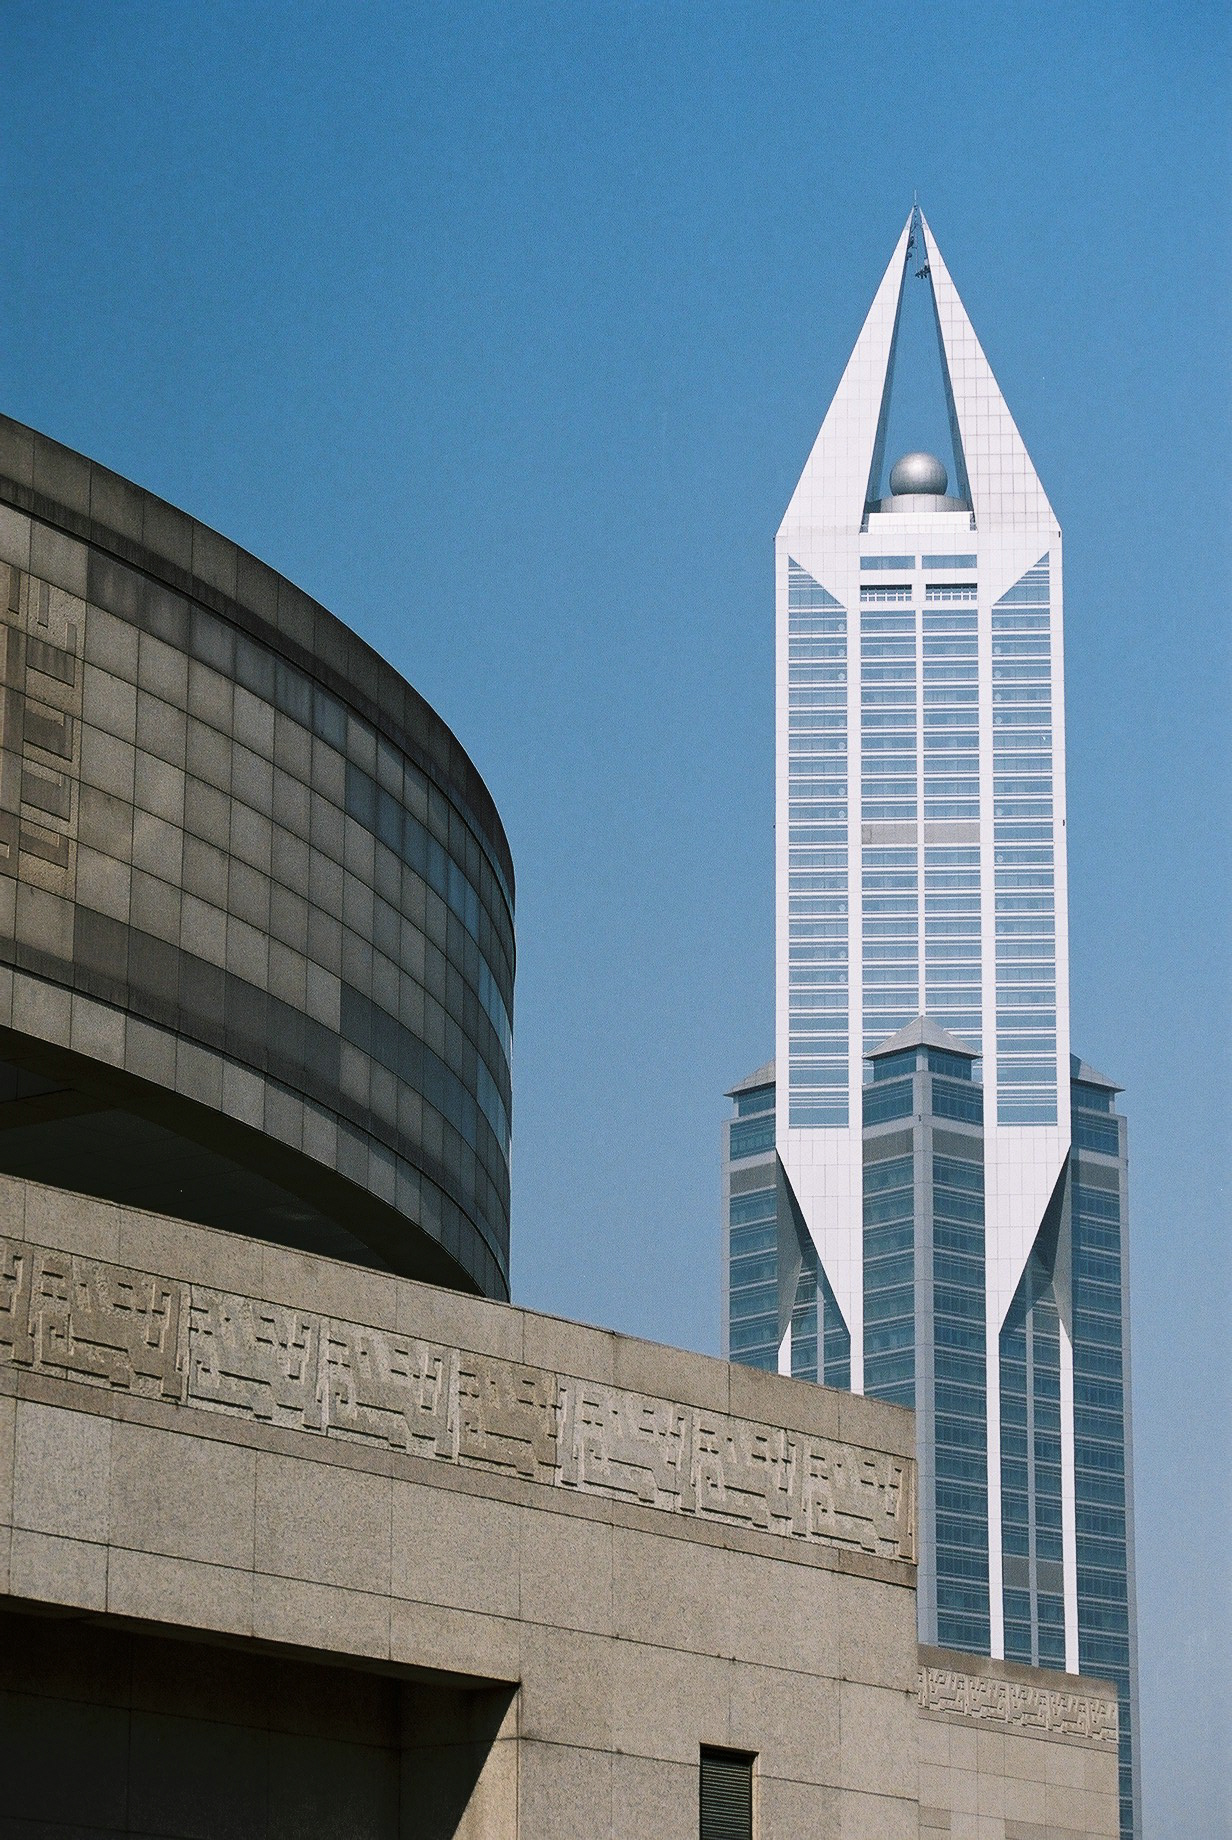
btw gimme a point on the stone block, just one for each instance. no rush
(1027, 1796)
(877, 1751)
(62, 476)
(935, 1785)
(566, 1695)
(666, 1703)
(298, 616)
(159, 788)
(109, 703)
(180, 1592)
(791, 1720)
(565, 1570)
(473, 1323)
(768, 1399)
(878, 1817)
(14, 538)
(962, 1746)
(1075, 1810)
(934, 1742)
(112, 643)
(155, 905)
(167, 532)
(107, 762)
(59, 559)
(8, 1431)
(1099, 1770)
(40, 1009)
(97, 1030)
(874, 1423)
(104, 883)
(650, 1796)
(876, 1624)
(455, 1641)
(256, 586)
(674, 1592)
(800, 1634)
(1066, 1764)
(964, 1793)
(150, 1051)
(308, 1282)
(451, 1547)
(105, 822)
(62, 1470)
(13, 1193)
(785, 1809)
(182, 1496)
(72, 1223)
(115, 504)
(568, 1348)
(158, 847)
(198, 1073)
(214, 559)
(323, 1524)
(17, 451)
(671, 1373)
(48, 1569)
(324, 1618)
(200, 1255)
(565, 1793)
(990, 1753)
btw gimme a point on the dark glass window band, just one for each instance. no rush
(239, 1021)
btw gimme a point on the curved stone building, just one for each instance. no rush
(256, 903)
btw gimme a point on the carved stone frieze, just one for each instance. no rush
(105, 1325)
(1018, 1704)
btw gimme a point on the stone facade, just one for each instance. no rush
(526, 1568)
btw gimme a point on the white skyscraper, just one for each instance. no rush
(925, 1194)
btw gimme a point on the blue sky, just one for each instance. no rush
(505, 331)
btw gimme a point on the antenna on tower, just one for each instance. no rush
(922, 273)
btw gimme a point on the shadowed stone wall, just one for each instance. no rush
(107, 1731)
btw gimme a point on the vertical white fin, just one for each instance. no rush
(1002, 481)
(834, 484)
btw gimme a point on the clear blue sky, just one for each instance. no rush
(505, 330)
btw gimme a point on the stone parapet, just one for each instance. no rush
(154, 1336)
(1015, 1699)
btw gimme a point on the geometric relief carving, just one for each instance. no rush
(102, 1324)
(625, 1446)
(42, 632)
(1015, 1704)
(90, 1321)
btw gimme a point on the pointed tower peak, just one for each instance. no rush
(993, 481)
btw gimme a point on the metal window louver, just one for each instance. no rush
(726, 1797)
